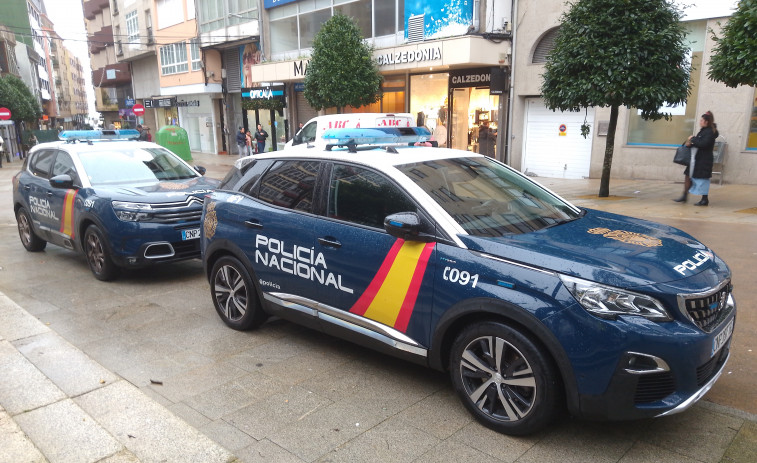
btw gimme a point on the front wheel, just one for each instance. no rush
(504, 379)
(98, 255)
(29, 239)
(234, 295)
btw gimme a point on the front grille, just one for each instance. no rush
(706, 371)
(189, 210)
(654, 387)
(177, 216)
(706, 310)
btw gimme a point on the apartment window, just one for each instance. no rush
(132, 29)
(211, 15)
(194, 50)
(190, 9)
(173, 58)
(170, 12)
(242, 11)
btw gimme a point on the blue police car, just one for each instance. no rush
(455, 261)
(122, 202)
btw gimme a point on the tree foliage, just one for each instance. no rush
(613, 53)
(15, 95)
(341, 71)
(734, 60)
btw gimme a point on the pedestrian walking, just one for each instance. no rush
(248, 143)
(260, 137)
(142, 133)
(697, 175)
(2, 149)
(149, 135)
(241, 142)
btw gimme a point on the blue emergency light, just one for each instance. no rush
(375, 136)
(105, 134)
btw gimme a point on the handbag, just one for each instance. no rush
(683, 155)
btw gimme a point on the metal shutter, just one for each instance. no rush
(305, 112)
(233, 73)
(546, 44)
(415, 28)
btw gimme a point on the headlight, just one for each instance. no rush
(609, 302)
(132, 212)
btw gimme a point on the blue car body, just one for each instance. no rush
(412, 297)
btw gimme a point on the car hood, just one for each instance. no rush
(159, 192)
(607, 248)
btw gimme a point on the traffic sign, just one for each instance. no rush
(5, 114)
(138, 109)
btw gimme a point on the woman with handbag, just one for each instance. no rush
(697, 175)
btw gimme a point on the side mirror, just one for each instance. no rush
(62, 181)
(201, 170)
(407, 226)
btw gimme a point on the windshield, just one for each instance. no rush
(133, 165)
(486, 198)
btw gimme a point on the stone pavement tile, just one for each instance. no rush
(646, 453)
(697, 433)
(189, 414)
(77, 329)
(581, 441)
(68, 367)
(190, 383)
(274, 351)
(148, 430)
(15, 446)
(31, 304)
(134, 315)
(497, 445)
(234, 342)
(159, 399)
(394, 440)
(124, 456)
(441, 414)
(23, 387)
(227, 435)
(265, 451)
(230, 397)
(122, 351)
(164, 367)
(450, 451)
(67, 434)
(743, 449)
(300, 368)
(16, 323)
(321, 430)
(341, 382)
(265, 418)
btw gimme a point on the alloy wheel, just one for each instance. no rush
(231, 292)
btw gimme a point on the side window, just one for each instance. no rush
(308, 133)
(42, 162)
(65, 165)
(364, 197)
(290, 184)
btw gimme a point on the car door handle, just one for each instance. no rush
(330, 242)
(49, 194)
(27, 187)
(253, 224)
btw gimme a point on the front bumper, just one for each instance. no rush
(143, 244)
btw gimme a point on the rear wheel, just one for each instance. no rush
(504, 379)
(98, 255)
(31, 241)
(234, 295)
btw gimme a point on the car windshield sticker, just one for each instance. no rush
(627, 237)
(67, 224)
(297, 260)
(211, 221)
(390, 297)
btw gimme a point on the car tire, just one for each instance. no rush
(234, 295)
(98, 255)
(29, 239)
(504, 379)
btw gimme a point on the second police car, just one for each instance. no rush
(123, 203)
(455, 261)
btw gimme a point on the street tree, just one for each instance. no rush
(734, 60)
(612, 53)
(342, 71)
(15, 95)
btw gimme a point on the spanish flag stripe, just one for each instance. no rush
(388, 300)
(415, 286)
(366, 298)
(67, 221)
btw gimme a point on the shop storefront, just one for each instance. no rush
(266, 106)
(166, 112)
(197, 117)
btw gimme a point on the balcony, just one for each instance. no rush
(92, 7)
(100, 39)
(112, 75)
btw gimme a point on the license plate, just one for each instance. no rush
(722, 337)
(191, 234)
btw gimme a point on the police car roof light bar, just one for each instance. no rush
(105, 134)
(374, 136)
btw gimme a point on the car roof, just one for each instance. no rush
(95, 145)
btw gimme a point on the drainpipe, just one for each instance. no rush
(476, 26)
(514, 26)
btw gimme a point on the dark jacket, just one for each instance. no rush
(241, 138)
(261, 135)
(705, 142)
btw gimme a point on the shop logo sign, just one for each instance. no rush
(301, 67)
(403, 57)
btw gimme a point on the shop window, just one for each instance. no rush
(428, 101)
(752, 141)
(310, 24)
(684, 120)
(283, 24)
(392, 99)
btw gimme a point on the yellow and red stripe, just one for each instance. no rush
(391, 295)
(67, 220)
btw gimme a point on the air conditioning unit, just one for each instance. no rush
(416, 26)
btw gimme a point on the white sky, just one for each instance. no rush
(68, 18)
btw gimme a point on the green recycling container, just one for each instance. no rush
(175, 139)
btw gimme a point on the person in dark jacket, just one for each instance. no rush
(697, 176)
(260, 137)
(242, 142)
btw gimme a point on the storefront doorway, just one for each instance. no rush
(475, 113)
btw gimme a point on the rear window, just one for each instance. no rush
(486, 198)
